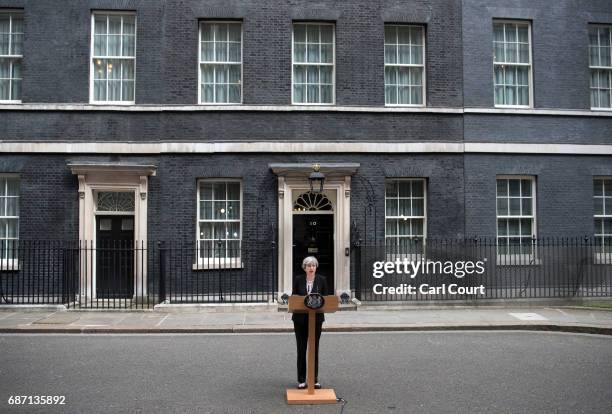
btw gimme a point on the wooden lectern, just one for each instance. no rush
(310, 395)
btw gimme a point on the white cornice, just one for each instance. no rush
(297, 108)
(299, 147)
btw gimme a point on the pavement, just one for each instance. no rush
(15, 319)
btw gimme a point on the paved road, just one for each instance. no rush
(422, 372)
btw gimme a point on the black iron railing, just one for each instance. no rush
(128, 274)
(481, 268)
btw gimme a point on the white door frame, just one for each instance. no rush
(342, 188)
(96, 177)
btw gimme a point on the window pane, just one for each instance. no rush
(327, 94)
(597, 187)
(502, 227)
(114, 24)
(299, 52)
(527, 204)
(403, 95)
(313, 53)
(221, 93)
(404, 207)
(299, 74)
(129, 25)
(514, 187)
(526, 227)
(221, 51)
(515, 206)
(390, 34)
(220, 32)
(513, 227)
(100, 90)
(128, 45)
(403, 227)
(99, 24)
(390, 54)
(12, 206)
(498, 52)
(418, 207)
(604, 53)
(510, 32)
(594, 56)
(4, 44)
(327, 53)
(207, 51)
(127, 69)
(327, 34)
(326, 75)
(391, 227)
(234, 34)
(526, 188)
(598, 206)
(208, 93)
(417, 188)
(403, 35)
(99, 45)
(17, 46)
(391, 207)
(417, 55)
(114, 90)
(208, 74)
(233, 210)
(299, 93)
(390, 75)
(391, 189)
(127, 90)
(523, 34)
(312, 33)
(607, 187)
(391, 95)
(404, 54)
(502, 188)
(299, 33)
(312, 74)
(523, 53)
(417, 227)
(234, 52)
(498, 32)
(234, 74)
(404, 188)
(313, 94)
(502, 206)
(114, 45)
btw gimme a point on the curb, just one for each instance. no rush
(238, 329)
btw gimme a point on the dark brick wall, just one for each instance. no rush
(48, 204)
(58, 32)
(559, 45)
(215, 126)
(537, 129)
(564, 191)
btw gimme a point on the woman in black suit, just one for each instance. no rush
(310, 282)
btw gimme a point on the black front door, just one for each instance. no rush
(313, 235)
(114, 256)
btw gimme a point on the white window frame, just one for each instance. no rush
(409, 256)
(602, 257)
(333, 64)
(91, 55)
(11, 263)
(604, 68)
(205, 263)
(11, 58)
(529, 65)
(410, 65)
(200, 62)
(513, 258)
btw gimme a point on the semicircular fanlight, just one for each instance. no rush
(310, 201)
